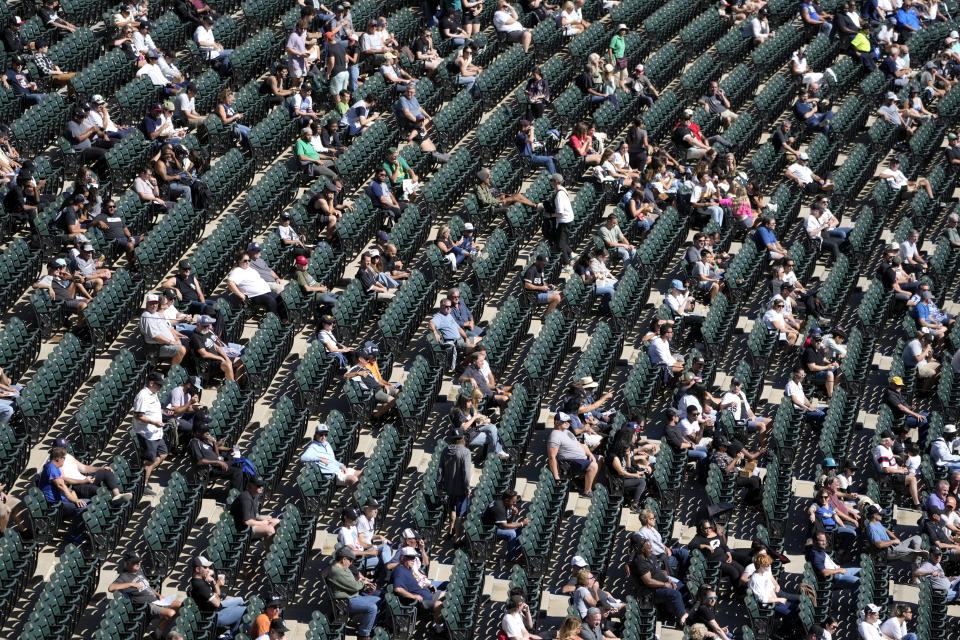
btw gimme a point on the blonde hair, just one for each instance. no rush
(697, 631)
(476, 394)
(569, 628)
(583, 578)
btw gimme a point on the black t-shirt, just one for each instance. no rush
(420, 45)
(115, 226)
(14, 200)
(202, 341)
(640, 566)
(330, 140)
(680, 134)
(815, 356)
(66, 219)
(719, 549)
(187, 288)
(339, 55)
(534, 276)
(888, 276)
(495, 513)
(201, 592)
(937, 531)
(778, 139)
(449, 23)
(702, 613)
(893, 399)
(201, 450)
(636, 139)
(12, 42)
(367, 278)
(245, 507)
(953, 153)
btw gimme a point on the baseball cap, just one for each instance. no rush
(302, 260)
(196, 382)
(578, 561)
(350, 514)
(372, 503)
(950, 501)
(556, 177)
(97, 99)
(621, 27)
(874, 509)
(688, 112)
(562, 417)
(455, 435)
(926, 295)
(16, 20)
(346, 552)
(951, 136)
(593, 611)
(156, 377)
(275, 601)
(639, 68)
(816, 331)
(803, 156)
(253, 247)
(408, 533)
(322, 428)
(200, 561)
(872, 608)
(131, 556)
(277, 625)
(409, 552)
(955, 35)
(934, 510)
(897, 380)
(89, 247)
(60, 442)
(950, 428)
(541, 257)
(258, 481)
(170, 294)
(736, 381)
(152, 53)
(285, 215)
(891, 96)
(678, 285)
(829, 462)
(327, 319)
(205, 320)
(152, 297)
(468, 226)
(184, 264)
(328, 34)
(370, 348)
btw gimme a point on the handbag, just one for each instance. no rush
(622, 63)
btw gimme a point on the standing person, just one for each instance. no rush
(456, 469)
(562, 215)
(537, 91)
(148, 427)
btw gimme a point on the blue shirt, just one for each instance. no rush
(446, 326)
(322, 454)
(50, 473)
(150, 124)
(877, 532)
(764, 236)
(403, 579)
(412, 105)
(923, 311)
(461, 313)
(818, 558)
(826, 517)
(380, 189)
(907, 18)
(524, 145)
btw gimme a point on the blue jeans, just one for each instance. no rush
(387, 281)
(467, 81)
(697, 453)
(846, 536)
(840, 232)
(543, 161)
(223, 57)
(32, 98)
(181, 189)
(610, 98)
(6, 411)
(488, 434)
(231, 613)
(645, 224)
(815, 416)
(512, 538)
(716, 213)
(671, 600)
(627, 255)
(366, 609)
(848, 580)
(354, 77)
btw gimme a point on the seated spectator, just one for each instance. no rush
(794, 391)
(320, 452)
(918, 355)
(85, 479)
(325, 208)
(132, 583)
(414, 115)
(189, 293)
(825, 518)
(651, 580)
(931, 568)
(258, 264)
(563, 447)
(205, 589)
(393, 73)
(456, 252)
(450, 27)
(490, 196)
(90, 268)
(349, 537)
(687, 138)
(504, 515)
(403, 178)
(373, 45)
(230, 117)
(536, 289)
(275, 85)
(944, 449)
(185, 112)
(157, 330)
(90, 142)
(476, 428)
(208, 45)
(893, 398)
(805, 178)
(99, 116)
(15, 79)
(50, 14)
(817, 361)
(537, 91)
(939, 534)
(345, 585)
(508, 26)
(158, 125)
(406, 586)
(379, 283)
(312, 163)
(323, 299)
(301, 105)
(895, 67)
(715, 102)
(262, 623)
(13, 42)
(682, 305)
(660, 354)
(517, 621)
(246, 513)
(367, 374)
(613, 238)
(886, 465)
(591, 82)
(534, 150)
(169, 170)
(245, 283)
(766, 589)
(64, 288)
(206, 451)
(205, 344)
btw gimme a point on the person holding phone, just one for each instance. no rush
(517, 620)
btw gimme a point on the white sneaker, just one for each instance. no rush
(503, 455)
(122, 497)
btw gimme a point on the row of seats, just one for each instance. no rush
(168, 526)
(106, 405)
(275, 447)
(287, 558)
(64, 596)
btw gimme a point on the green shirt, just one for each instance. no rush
(304, 148)
(404, 170)
(343, 583)
(486, 197)
(618, 46)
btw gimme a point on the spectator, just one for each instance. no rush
(715, 102)
(943, 450)
(276, 631)
(931, 568)
(246, 513)
(298, 62)
(825, 567)
(13, 42)
(885, 464)
(425, 52)
(533, 149)
(794, 391)
(206, 451)
(63, 288)
(185, 108)
(817, 361)
(90, 142)
(766, 589)
(324, 301)
(313, 163)
(169, 170)
(230, 117)
(451, 28)
(368, 371)
(563, 447)
(736, 402)
(805, 178)
(939, 534)
(50, 15)
(189, 293)
(208, 45)
(156, 330)
(537, 91)
(245, 283)
(205, 589)
(613, 238)
(16, 79)
(344, 585)
(475, 426)
(893, 398)
(536, 288)
(359, 116)
(271, 611)
(517, 621)
(406, 586)
(206, 345)
(132, 583)
(148, 427)
(379, 283)
(508, 26)
(57, 491)
(917, 355)
(650, 579)
(691, 143)
(320, 452)
(455, 473)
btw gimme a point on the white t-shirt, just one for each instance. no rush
(896, 179)
(564, 209)
(500, 22)
(71, 468)
(147, 403)
(365, 528)
(772, 318)
(660, 352)
(761, 584)
(202, 34)
(883, 458)
(183, 103)
(894, 628)
(794, 390)
(908, 250)
(512, 625)
(802, 172)
(811, 224)
(153, 72)
(248, 281)
(740, 403)
(869, 631)
(349, 537)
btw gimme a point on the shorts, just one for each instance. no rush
(154, 448)
(542, 298)
(580, 463)
(339, 82)
(927, 370)
(73, 305)
(168, 350)
(821, 376)
(382, 396)
(296, 71)
(730, 115)
(514, 36)
(341, 476)
(156, 608)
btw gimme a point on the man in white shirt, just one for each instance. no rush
(913, 261)
(943, 450)
(794, 391)
(704, 195)
(142, 40)
(98, 116)
(152, 70)
(897, 180)
(185, 108)
(805, 178)
(736, 402)
(85, 479)
(148, 427)
(681, 304)
(321, 452)
(660, 355)
(869, 627)
(145, 184)
(506, 22)
(245, 283)
(207, 43)
(156, 329)
(562, 215)
(815, 224)
(774, 320)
